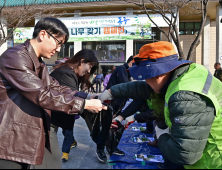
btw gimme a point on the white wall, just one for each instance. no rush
(206, 43)
(213, 47)
(129, 43)
(3, 48)
(219, 35)
(178, 29)
(77, 46)
(129, 48)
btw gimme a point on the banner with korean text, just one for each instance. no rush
(22, 34)
(125, 27)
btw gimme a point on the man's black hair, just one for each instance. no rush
(217, 63)
(130, 59)
(53, 26)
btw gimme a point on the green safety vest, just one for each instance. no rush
(149, 103)
(199, 80)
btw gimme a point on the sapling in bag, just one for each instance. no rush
(114, 137)
(101, 125)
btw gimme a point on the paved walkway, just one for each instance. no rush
(83, 156)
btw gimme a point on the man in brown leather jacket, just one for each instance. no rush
(28, 94)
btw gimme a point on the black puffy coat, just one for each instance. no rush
(66, 77)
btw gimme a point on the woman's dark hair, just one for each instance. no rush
(129, 59)
(53, 26)
(88, 56)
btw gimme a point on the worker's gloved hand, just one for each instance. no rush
(115, 120)
(160, 132)
(129, 120)
(106, 95)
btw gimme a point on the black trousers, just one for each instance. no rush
(91, 89)
(99, 126)
(69, 139)
(98, 84)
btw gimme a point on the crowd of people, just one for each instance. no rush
(180, 101)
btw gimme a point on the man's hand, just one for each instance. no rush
(114, 122)
(94, 105)
(106, 95)
(159, 131)
(129, 120)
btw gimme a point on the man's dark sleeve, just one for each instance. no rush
(132, 90)
(144, 117)
(133, 107)
(220, 75)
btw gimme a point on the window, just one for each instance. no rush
(66, 51)
(107, 51)
(137, 44)
(189, 28)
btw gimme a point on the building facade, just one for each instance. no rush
(115, 30)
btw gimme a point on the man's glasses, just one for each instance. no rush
(59, 44)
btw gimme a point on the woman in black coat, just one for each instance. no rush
(73, 73)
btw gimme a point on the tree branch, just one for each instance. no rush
(163, 7)
(2, 29)
(145, 9)
(3, 5)
(156, 24)
(204, 16)
(16, 16)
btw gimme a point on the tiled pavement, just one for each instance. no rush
(83, 156)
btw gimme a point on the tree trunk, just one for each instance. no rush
(197, 39)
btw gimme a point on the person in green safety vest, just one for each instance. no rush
(193, 105)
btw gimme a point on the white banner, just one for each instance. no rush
(117, 27)
(22, 34)
(113, 21)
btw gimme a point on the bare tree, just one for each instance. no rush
(14, 17)
(172, 7)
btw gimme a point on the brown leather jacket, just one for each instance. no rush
(27, 93)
